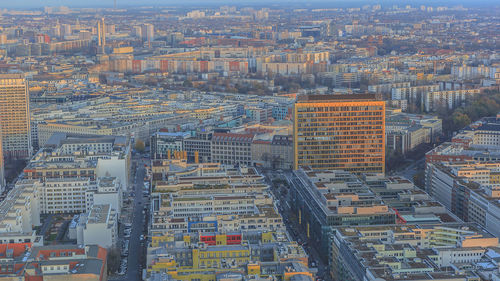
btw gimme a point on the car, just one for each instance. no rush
(142, 237)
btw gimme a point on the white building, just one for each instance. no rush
(78, 195)
(107, 191)
(115, 165)
(64, 195)
(98, 226)
(20, 211)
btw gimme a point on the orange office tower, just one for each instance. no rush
(340, 132)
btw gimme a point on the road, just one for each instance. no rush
(293, 228)
(412, 169)
(136, 248)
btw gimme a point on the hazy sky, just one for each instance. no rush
(128, 3)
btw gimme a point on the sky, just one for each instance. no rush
(129, 3)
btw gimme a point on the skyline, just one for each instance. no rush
(34, 4)
(250, 140)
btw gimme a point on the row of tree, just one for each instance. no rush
(486, 104)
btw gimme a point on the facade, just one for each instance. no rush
(232, 148)
(468, 190)
(2, 165)
(463, 174)
(15, 116)
(405, 132)
(99, 226)
(344, 132)
(198, 148)
(448, 99)
(78, 195)
(64, 195)
(20, 210)
(163, 145)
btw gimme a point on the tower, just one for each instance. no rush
(15, 116)
(2, 177)
(101, 35)
(340, 132)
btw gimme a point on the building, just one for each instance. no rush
(322, 199)
(165, 145)
(20, 210)
(148, 33)
(455, 251)
(99, 226)
(464, 174)
(2, 165)
(78, 195)
(343, 132)
(404, 132)
(236, 256)
(448, 99)
(15, 116)
(66, 157)
(468, 190)
(101, 35)
(232, 148)
(199, 147)
(28, 261)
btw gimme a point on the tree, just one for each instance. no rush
(139, 146)
(460, 120)
(419, 179)
(113, 260)
(187, 83)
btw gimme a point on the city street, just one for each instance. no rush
(135, 257)
(292, 225)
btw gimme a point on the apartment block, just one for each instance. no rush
(455, 251)
(448, 99)
(232, 148)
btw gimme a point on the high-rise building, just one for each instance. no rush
(15, 116)
(101, 35)
(2, 176)
(148, 31)
(340, 132)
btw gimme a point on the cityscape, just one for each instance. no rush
(250, 140)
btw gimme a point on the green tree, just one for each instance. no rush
(113, 260)
(187, 83)
(419, 179)
(460, 120)
(139, 146)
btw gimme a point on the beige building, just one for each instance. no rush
(15, 116)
